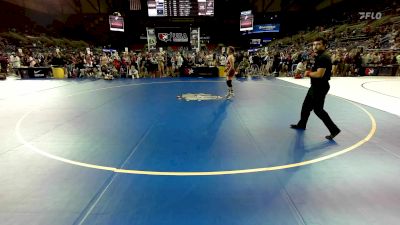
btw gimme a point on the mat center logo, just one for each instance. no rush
(198, 97)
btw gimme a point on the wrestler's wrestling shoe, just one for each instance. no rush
(229, 95)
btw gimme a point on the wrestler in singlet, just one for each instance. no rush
(230, 71)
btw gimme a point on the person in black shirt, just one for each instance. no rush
(3, 63)
(275, 64)
(320, 76)
(358, 64)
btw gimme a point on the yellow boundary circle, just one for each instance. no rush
(210, 173)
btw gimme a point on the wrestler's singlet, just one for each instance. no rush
(231, 72)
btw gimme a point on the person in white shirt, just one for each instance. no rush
(16, 63)
(133, 72)
(179, 60)
(222, 60)
(301, 67)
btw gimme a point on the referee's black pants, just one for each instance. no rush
(315, 100)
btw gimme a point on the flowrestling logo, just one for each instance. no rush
(173, 37)
(370, 15)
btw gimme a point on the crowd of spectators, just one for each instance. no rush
(103, 62)
(354, 48)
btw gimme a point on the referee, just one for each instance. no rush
(320, 76)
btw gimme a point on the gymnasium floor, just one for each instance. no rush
(131, 152)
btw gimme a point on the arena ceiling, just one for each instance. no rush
(64, 6)
(105, 6)
(87, 19)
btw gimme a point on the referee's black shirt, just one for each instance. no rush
(322, 60)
